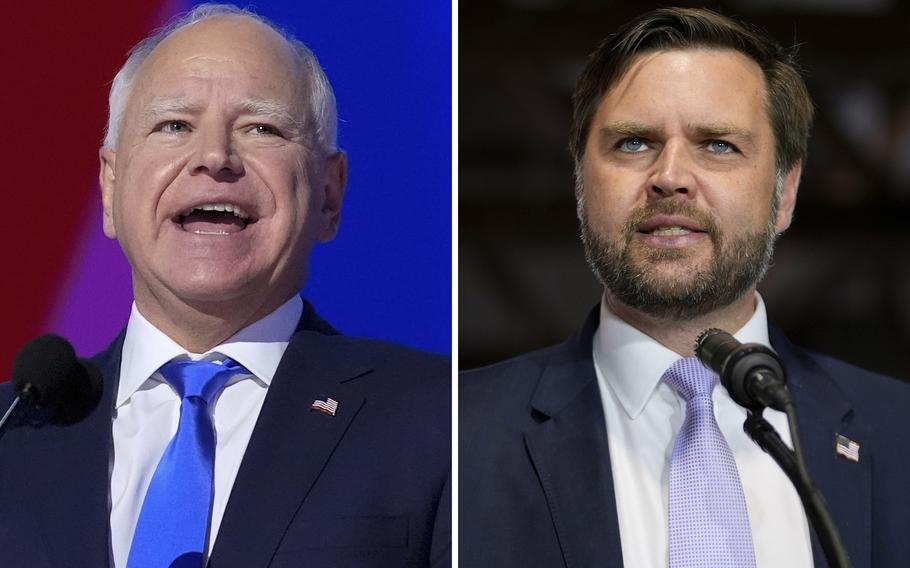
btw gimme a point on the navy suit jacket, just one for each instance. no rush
(367, 487)
(535, 480)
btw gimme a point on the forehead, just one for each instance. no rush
(240, 54)
(700, 85)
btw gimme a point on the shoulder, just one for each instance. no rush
(864, 388)
(497, 400)
(316, 335)
(387, 355)
(408, 373)
(523, 373)
(855, 382)
(877, 400)
(518, 373)
(381, 355)
(382, 369)
(856, 378)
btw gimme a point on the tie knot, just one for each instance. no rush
(200, 378)
(690, 378)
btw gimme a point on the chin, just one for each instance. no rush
(672, 273)
(212, 286)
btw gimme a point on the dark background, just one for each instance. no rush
(841, 279)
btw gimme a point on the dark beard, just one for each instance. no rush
(738, 263)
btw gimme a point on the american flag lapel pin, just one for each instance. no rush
(326, 405)
(846, 448)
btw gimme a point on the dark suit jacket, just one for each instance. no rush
(367, 487)
(535, 481)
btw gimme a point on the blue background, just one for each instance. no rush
(388, 274)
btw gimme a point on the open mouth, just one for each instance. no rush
(670, 226)
(671, 231)
(214, 219)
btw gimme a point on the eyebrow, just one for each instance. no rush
(274, 110)
(630, 129)
(723, 130)
(165, 105)
(640, 130)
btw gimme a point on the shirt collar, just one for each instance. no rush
(258, 347)
(632, 363)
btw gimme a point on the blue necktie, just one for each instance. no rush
(709, 522)
(173, 523)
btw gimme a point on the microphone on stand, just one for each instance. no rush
(49, 377)
(751, 373)
(754, 377)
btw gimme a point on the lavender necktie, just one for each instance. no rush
(709, 523)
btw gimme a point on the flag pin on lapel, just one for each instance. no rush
(326, 405)
(846, 448)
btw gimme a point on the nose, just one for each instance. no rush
(215, 155)
(673, 173)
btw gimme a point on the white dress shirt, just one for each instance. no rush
(643, 415)
(148, 409)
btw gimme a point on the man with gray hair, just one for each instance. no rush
(236, 427)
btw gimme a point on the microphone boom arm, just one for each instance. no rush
(767, 438)
(755, 378)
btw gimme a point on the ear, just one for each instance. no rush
(106, 180)
(334, 182)
(787, 202)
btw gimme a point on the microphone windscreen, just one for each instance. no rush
(47, 374)
(41, 369)
(713, 347)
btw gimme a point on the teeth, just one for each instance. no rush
(670, 231)
(223, 207)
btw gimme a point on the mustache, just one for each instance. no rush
(640, 216)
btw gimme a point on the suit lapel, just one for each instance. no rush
(289, 447)
(568, 446)
(823, 411)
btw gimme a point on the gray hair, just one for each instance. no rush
(324, 115)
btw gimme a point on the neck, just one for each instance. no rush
(680, 335)
(200, 326)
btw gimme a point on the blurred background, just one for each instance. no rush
(841, 279)
(387, 275)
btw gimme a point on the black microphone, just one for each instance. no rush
(48, 376)
(751, 373)
(754, 377)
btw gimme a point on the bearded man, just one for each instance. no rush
(689, 135)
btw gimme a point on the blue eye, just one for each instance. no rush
(633, 145)
(265, 130)
(173, 127)
(721, 147)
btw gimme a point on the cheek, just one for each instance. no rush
(277, 187)
(306, 219)
(292, 203)
(743, 216)
(144, 180)
(755, 205)
(303, 186)
(609, 200)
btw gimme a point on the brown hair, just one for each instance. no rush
(789, 106)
